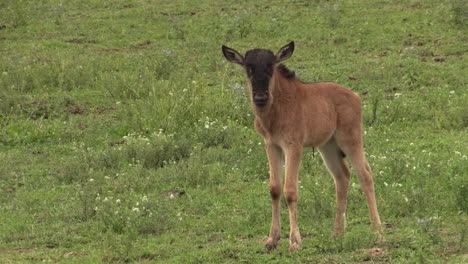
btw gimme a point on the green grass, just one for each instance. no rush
(125, 136)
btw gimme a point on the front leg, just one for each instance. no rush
(275, 162)
(293, 161)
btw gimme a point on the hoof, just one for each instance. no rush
(269, 247)
(270, 244)
(294, 246)
(294, 241)
(380, 238)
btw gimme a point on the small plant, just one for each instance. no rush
(241, 27)
(154, 151)
(332, 14)
(460, 11)
(18, 13)
(134, 214)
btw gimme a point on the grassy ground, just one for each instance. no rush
(125, 136)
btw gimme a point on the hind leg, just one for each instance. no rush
(351, 144)
(364, 173)
(334, 160)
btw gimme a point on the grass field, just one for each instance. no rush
(126, 137)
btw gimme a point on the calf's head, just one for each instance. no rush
(259, 65)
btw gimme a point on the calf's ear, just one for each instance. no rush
(232, 55)
(285, 52)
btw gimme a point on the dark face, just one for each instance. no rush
(259, 64)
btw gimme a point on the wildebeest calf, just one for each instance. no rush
(290, 115)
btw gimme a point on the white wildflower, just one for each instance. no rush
(406, 198)
(422, 220)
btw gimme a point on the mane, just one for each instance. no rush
(287, 73)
